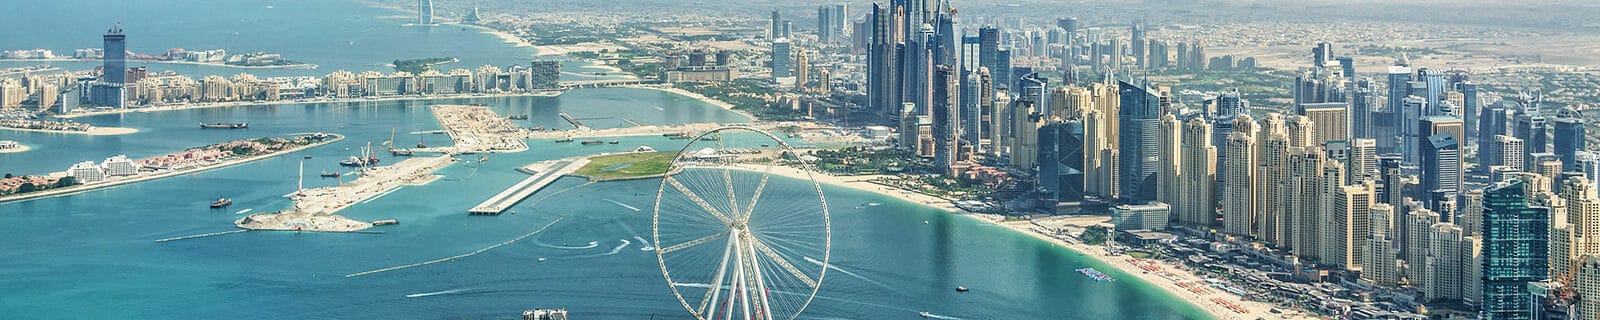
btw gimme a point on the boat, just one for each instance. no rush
(482, 159)
(385, 222)
(614, 142)
(220, 125)
(306, 157)
(541, 259)
(353, 161)
(925, 314)
(334, 174)
(589, 142)
(317, 136)
(518, 117)
(961, 289)
(224, 202)
(564, 140)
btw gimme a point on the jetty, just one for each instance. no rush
(574, 121)
(543, 172)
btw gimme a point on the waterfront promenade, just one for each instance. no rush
(158, 174)
(544, 172)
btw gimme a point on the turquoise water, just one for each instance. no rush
(93, 255)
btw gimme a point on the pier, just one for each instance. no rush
(201, 235)
(574, 121)
(543, 174)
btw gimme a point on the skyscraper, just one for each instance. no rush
(780, 58)
(1504, 151)
(825, 28)
(1239, 194)
(1363, 103)
(802, 68)
(777, 26)
(988, 49)
(1530, 127)
(1380, 266)
(1568, 137)
(1061, 155)
(1363, 163)
(1414, 240)
(1588, 285)
(882, 86)
(1352, 207)
(111, 91)
(945, 116)
(1332, 119)
(425, 12)
(1583, 218)
(1197, 201)
(1515, 250)
(1272, 165)
(1140, 51)
(1441, 169)
(1138, 133)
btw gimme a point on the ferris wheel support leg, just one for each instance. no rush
(741, 279)
(715, 291)
(761, 283)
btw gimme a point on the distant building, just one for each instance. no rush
(425, 12)
(1568, 137)
(1151, 216)
(119, 166)
(1332, 120)
(109, 90)
(86, 172)
(545, 75)
(780, 58)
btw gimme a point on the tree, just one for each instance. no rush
(27, 187)
(8, 176)
(1094, 235)
(66, 181)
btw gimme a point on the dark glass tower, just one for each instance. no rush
(1568, 138)
(1138, 130)
(1515, 250)
(1061, 161)
(1441, 168)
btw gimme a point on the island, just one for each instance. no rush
(61, 127)
(417, 66)
(119, 170)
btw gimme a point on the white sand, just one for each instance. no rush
(96, 131)
(19, 148)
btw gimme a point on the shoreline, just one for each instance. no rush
(210, 64)
(97, 131)
(702, 98)
(1199, 301)
(167, 174)
(289, 102)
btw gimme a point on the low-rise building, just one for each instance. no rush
(87, 172)
(1151, 216)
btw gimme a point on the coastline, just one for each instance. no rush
(97, 131)
(287, 102)
(719, 103)
(212, 64)
(89, 187)
(1200, 301)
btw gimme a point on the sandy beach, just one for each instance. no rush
(284, 102)
(696, 96)
(96, 131)
(19, 148)
(1173, 280)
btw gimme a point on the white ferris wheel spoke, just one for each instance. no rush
(727, 180)
(716, 285)
(697, 200)
(757, 196)
(692, 243)
(782, 262)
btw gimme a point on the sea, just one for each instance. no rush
(94, 254)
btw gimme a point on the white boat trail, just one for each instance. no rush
(646, 244)
(624, 205)
(243, 211)
(419, 295)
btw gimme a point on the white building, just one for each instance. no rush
(86, 172)
(119, 166)
(1152, 216)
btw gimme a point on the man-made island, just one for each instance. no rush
(62, 127)
(119, 170)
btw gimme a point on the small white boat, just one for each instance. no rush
(541, 259)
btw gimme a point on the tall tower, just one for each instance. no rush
(1568, 137)
(114, 70)
(802, 69)
(777, 26)
(1197, 200)
(1272, 167)
(1417, 229)
(1140, 51)
(945, 116)
(1441, 170)
(1515, 250)
(1351, 223)
(1583, 218)
(1138, 132)
(1171, 164)
(1379, 265)
(425, 12)
(1239, 192)
(1302, 193)
(1588, 284)
(780, 58)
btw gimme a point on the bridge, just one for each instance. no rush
(606, 83)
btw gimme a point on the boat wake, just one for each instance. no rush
(429, 294)
(243, 211)
(591, 245)
(646, 244)
(835, 267)
(616, 250)
(624, 205)
(928, 315)
(692, 285)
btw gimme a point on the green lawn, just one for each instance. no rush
(628, 165)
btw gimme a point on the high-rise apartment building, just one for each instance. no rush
(1515, 250)
(1197, 200)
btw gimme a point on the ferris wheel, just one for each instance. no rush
(733, 243)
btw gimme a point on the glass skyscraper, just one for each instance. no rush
(1138, 131)
(1515, 250)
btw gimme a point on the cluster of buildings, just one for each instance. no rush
(15, 184)
(1363, 180)
(118, 86)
